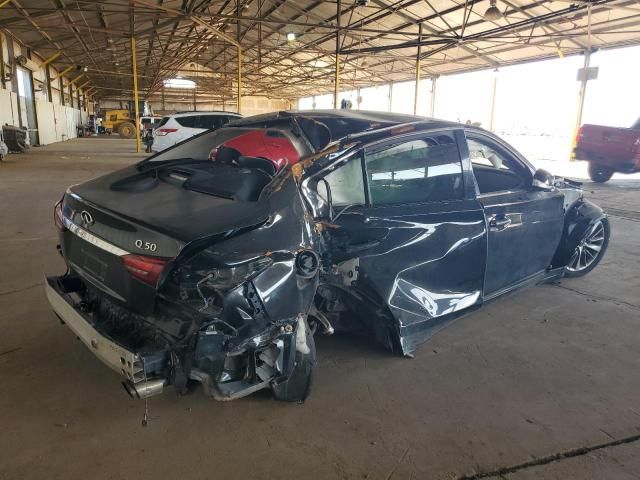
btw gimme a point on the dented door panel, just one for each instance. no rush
(426, 261)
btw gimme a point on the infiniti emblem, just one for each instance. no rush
(87, 218)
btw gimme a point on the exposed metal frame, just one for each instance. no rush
(397, 38)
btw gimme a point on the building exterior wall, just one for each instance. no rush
(56, 122)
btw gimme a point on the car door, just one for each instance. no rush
(524, 222)
(407, 217)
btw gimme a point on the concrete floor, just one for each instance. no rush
(501, 393)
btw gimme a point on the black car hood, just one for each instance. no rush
(167, 207)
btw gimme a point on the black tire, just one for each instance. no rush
(127, 130)
(296, 387)
(570, 270)
(600, 173)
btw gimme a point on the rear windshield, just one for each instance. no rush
(249, 143)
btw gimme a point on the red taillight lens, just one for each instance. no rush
(146, 269)
(213, 153)
(57, 216)
(162, 132)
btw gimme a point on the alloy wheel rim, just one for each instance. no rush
(589, 248)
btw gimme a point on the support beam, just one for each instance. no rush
(193, 18)
(134, 72)
(336, 80)
(493, 99)
(76, 79)
(416, 97)
(239, 93)
(432, 106)
(583, 90)
(5, 2)
(239, 58)
(51, 59)
(61, 88)
(63, 73)
(47, 74)
(84, 84)
(2, 74)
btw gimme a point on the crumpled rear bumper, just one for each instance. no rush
(118, 358)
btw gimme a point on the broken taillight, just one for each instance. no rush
(146, 269)
(163, 132)
(57, 216)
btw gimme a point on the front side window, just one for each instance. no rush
(494, 169)
(421, 170)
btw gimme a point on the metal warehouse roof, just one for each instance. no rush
(378, 39)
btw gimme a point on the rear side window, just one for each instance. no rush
(163, 121)
(206, 121)
(346, 183)
(189, 122)
(420, 170)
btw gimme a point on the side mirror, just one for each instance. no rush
(327, 189)
(543, 180)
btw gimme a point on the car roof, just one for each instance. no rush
(384, 119)
(202, 112)
(342, 125)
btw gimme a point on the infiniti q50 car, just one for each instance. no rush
(220, 268)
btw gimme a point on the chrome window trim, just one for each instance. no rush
(93, 239)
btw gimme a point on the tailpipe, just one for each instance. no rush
(144, 389)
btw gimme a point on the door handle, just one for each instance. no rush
(498, 223)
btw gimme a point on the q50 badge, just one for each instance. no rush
(149, 246)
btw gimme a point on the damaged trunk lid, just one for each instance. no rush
(126, 228)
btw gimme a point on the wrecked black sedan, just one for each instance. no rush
(206, 264)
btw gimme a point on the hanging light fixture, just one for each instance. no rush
(492, 12)
(291, 37)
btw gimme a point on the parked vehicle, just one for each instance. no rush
(4, 150)
(182, 269)
(608, 150)
(180, 126)
(149, 123)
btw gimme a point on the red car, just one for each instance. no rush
(271, 144)
(608, 150)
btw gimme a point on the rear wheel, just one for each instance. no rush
(599, 173)
(127, 130)
(590, 250)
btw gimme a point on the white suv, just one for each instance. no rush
(180, 126)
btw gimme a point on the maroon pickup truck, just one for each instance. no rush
(608, 150)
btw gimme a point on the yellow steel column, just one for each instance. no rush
(2, 4)
(418, 71)
(135, 91)
(239, 79)
(336, 80)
